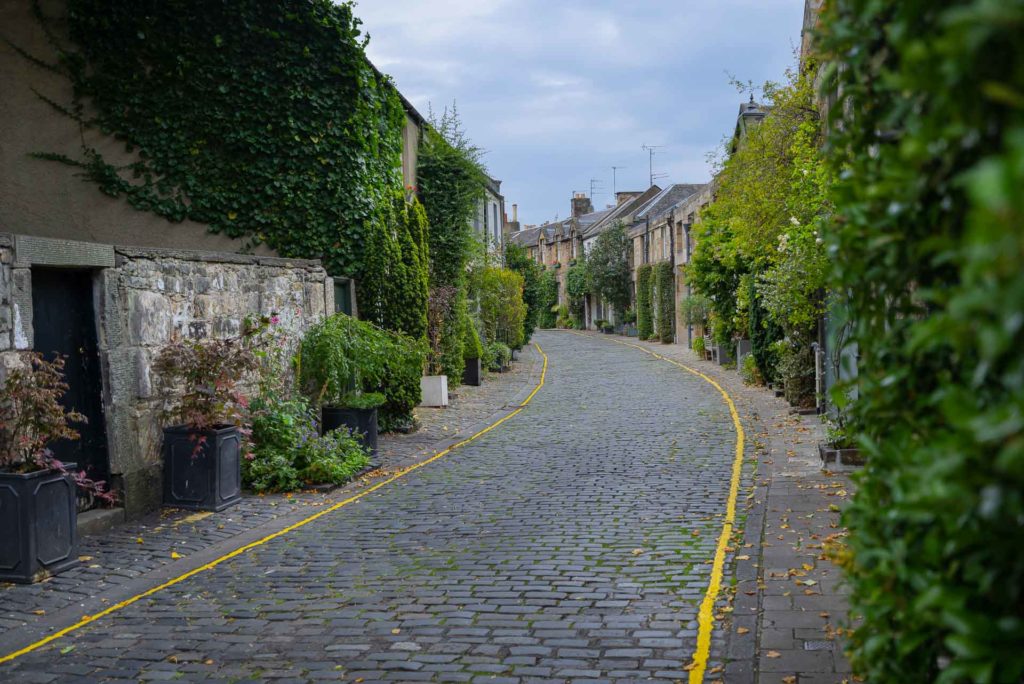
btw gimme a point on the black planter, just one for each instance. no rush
(831, 457)
(471, 373)
(202, 475)
(38, 520)
(362, 422)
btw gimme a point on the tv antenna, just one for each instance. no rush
(615, 188)
(650, 161)
(595, 184)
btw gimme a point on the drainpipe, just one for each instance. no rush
(672, 263)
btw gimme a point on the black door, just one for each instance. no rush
(64, 322)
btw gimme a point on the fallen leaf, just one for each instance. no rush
(637, 552)
(743, 557)
(742, 630)
(773, 654)
(789, 680)
(396, 630)
(138, 540)
(66, 650)
(84, 559)
(39, 612)
(175, 555)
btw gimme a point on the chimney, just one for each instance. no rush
(625, 196)
(581, 205)
(515, 213)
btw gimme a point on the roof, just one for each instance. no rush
(667, 200)
(593, 217)
(526, 237)
(622, 212)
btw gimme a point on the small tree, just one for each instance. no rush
(519, 261)
(608, 267)
(666, 288)
(502, 309)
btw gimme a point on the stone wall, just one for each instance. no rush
(148, 299)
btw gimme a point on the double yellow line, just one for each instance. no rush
(88, 619)
(705, 616)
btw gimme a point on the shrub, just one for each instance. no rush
(287, 452)
(644, 294)
(548, 307)
(497, 356)
(576, 289)
(608, 267)
(471, 345)
(517, 260)
(666, 288)
(749, 371)
(564, 318)
(929, 246)
(629, 316)
(699, 346)
(347, 362)
(502, 310)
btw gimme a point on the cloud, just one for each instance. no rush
(559, 91)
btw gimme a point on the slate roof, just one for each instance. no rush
(622, 212)
(525, 238)
(667, 200)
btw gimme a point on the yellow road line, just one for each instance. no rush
(87, 619)
(705, 617)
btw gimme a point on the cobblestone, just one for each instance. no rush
(606, 494)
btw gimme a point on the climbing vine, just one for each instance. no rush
(644, 303)
(263, 120)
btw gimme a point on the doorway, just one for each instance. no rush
(64, 322)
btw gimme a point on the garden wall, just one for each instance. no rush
(143, 298)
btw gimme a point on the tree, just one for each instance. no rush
(502, 310)
(644, 295)
(608, 267)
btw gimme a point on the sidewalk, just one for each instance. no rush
(133, 557)
(787, 612)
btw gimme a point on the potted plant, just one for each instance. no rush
(473, 351)
(607, 327)
(700, 347)
(38, 493)
(339, 358)
(629, 322)
(202, 447)
(498, 357)
(839, 451)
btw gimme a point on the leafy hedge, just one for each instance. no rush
(608, 267)
(517, 259)
(665, 285)
(502, 310)
(929, 251)
(644, 295)
(547, 316)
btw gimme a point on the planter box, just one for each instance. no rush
(205, 479)
(721, 355)
(838, 459)
(362, 423)
(471, 373)
(38, 525)
(435, 391)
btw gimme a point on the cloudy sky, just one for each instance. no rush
(559, 91)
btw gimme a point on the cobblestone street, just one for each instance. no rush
(572, 542)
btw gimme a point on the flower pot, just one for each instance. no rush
(471, 373)
(38, 525)
(435, 391)
(202, 468)
(838, 459)
(362, 422)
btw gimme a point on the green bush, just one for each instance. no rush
(502, 310)
(608, 271)
(665, 285)
(749, 371)
(286, 451)
(347, 362)
(699, 346)
(471, 345)
(929, 246)
(519, 261)
(563, 318)
(644, 295)
(576, 289)
(548, 306)
(497, 356)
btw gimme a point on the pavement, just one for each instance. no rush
(573, 542)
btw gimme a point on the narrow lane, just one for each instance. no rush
(573, 542)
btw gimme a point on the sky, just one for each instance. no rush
(557, 92)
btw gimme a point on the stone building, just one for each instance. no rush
(489, 221)
(658, 229)
(85, 275)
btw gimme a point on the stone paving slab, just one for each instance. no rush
(573, 543)
(131, 557)
(789, 598)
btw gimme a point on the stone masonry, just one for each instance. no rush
(145, 299)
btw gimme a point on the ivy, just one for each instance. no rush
(548, 315)
(664, 283)
(263, 120)
(644, 303)
(926, 253)
(576, 289)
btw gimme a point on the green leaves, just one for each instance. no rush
(927, 140)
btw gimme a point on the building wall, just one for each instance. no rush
(146, 298)
(410, 151)
(48, 199)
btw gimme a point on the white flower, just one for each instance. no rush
(794, 220)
